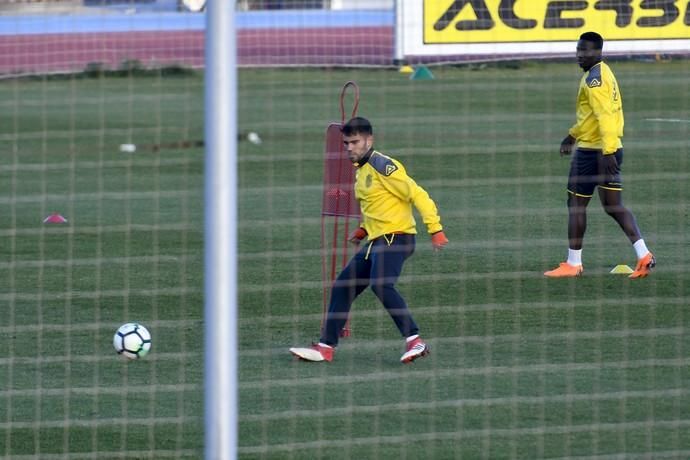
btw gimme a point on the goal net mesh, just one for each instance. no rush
(101, 129)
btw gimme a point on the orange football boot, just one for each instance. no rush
(565, 270)
(644, 266)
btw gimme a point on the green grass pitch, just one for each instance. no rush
(521, 367)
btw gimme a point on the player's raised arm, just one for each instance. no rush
(399, 183)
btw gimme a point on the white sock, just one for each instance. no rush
(575, 256)
(321, 344)
(640, 248)
(412, 337)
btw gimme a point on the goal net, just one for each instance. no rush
(102, 211)
(102, 128)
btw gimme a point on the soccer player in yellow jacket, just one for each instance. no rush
(386, 195)
(597, 159)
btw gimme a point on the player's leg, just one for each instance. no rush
(577, 220)
(612, 202)
(581, 184)
(351, 282)
(388, 258)
(611, 197)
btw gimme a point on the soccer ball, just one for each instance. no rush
(132, 341)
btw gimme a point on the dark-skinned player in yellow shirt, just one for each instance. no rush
(597, 159)
(386, 195)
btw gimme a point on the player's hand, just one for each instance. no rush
(357, 236)
(567, 145)
(610, 165)
(439, 240)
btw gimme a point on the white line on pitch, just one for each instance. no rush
(668, 120)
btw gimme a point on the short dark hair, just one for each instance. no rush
(593, 37)
(357, 125)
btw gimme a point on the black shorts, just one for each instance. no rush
(587, 172)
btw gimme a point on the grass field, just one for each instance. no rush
(521, 367)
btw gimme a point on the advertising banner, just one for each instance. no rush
(470, 27)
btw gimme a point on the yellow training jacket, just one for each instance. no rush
(599, 111)
(386, 194)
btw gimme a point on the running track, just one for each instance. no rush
(48, 49)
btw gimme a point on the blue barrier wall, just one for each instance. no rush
(168, 21)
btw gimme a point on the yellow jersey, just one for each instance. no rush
(386, 195)
(599, 111)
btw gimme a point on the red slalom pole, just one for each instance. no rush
(338, 202)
